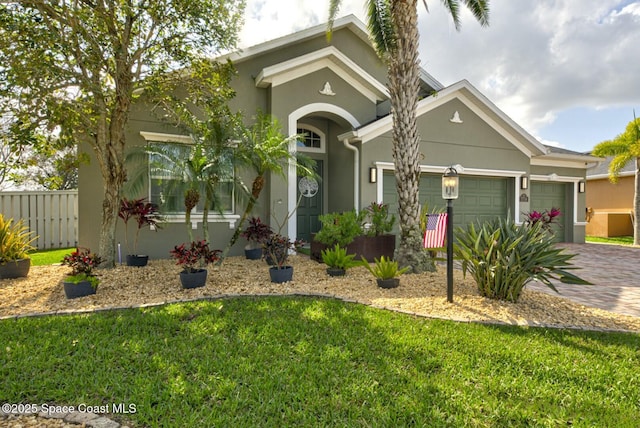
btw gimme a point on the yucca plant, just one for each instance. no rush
(503, 257)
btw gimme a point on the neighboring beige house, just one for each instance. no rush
(609, 205)
(336, 93)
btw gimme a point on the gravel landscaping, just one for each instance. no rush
(425, 295)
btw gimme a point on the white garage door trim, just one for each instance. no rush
(515, 175)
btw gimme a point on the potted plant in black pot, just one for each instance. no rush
(194, 257)
(145, 214)
(15, 244)
(338, 261)
(276, 252)
(256, 233)
(386, 271)
(81, 282)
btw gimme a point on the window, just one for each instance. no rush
(168, 178)
(313, 140)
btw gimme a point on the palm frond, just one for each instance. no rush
(380, 26)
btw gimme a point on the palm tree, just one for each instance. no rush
(263, 149)
(393, 26)
(624, 149)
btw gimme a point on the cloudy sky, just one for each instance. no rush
(568, 71)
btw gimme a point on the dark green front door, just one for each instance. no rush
(310, 209)
(547, 195)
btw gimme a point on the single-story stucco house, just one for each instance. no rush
(610, 206)
(336, 93)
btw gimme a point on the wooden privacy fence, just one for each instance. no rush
(52, 216)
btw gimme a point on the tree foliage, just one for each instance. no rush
(625, 148)
(393, 26)
(78, 65)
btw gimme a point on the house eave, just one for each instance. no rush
(330, 58)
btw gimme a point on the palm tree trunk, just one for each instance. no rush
(403, 90)
(256, 189)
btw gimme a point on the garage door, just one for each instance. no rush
(480, 198)
(546, 195)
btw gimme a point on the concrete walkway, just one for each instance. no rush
(613, 269)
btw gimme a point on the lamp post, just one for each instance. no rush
(450, 192)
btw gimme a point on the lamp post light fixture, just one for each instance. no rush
(450, 185)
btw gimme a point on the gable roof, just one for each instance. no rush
(330, 58)
(477, 102)
(349, 22)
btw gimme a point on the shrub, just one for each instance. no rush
(145, 214)
(257, 232)
(547, 218)
(384, 268)
(503, 257)
(338, 258)
(276, 249)
(82, 262)
(196, 253)
(340, 228)
(15, 240)
(378, 219)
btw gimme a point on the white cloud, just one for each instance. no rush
(535, 60)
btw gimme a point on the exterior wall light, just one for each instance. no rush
(581, 186)
(373, 175)
(524, 182)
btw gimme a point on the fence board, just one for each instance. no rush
(52, 216)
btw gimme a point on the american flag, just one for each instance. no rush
(436, 230)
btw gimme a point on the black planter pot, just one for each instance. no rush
(137, 261)
(279, 275)
(253, 253)
(388, 283)
(15, 269)
(193, 279)
(336, 272)
(74, 290)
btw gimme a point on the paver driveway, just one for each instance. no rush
(613, 269)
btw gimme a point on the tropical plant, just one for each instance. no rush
(625, 148)
(85, 64)
(82, 262)
(264, 148)
(145, 214)
(385, 268)
(503, 257)
(257, 232)
(15, 240)
(195, 255)
(393, 26)
(547, 218)
(340, 228)
(276, 249)
(378, 219)
(338, 258)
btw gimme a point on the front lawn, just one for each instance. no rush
(617, 240)
(282, 361)
(48, 257)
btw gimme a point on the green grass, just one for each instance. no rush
(618, 240)
(48, 257)
(293, 362)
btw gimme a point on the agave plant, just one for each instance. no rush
(503, 257)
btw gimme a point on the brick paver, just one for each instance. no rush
(613, 269)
